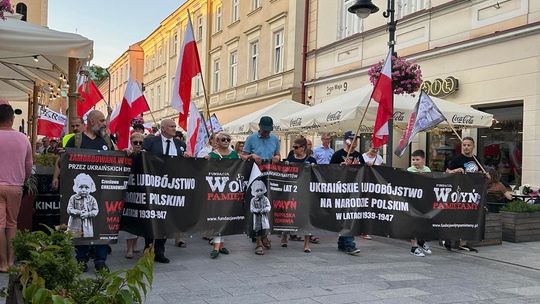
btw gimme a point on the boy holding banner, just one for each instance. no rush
(419, 248)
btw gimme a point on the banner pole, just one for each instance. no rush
(461, 140)
(359, 125)
(202, 82)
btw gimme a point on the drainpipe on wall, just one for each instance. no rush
(304, 51)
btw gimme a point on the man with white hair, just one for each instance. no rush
(163, 144)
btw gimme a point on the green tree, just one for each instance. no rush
(97, 73)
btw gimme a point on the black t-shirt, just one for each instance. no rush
(97, 143)
(339, 156)
(467, 163)
(308, 159)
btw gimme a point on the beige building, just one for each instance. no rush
(249, 52)
(489, 46)
(132, 59)
(33, 11)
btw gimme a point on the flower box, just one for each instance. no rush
(520, 227)
(492, 231)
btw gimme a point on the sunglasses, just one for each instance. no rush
(225, 139)
(136, 143)
(297, 147)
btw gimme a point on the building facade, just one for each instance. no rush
(249, 52)
(131, 60)
(33, 11)
(488, 46)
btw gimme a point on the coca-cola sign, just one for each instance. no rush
(296, 122)
(334, 116)
(464, 120)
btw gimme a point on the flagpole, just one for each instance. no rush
(461, 140)
(359, 125)
(202, 80)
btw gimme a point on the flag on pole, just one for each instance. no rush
(383, 94)
(213, 125)
(196, 132)
(133, 104)
(113, 122)
(89, 95)
(426, 115)
(50, 123)
(188, 67)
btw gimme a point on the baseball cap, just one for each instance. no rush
(266, 123)
(348, 135)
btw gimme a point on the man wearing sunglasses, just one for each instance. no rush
(163, 144)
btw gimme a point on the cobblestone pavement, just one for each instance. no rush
(384, 272)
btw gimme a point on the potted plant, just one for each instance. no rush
(521, 222)
(406, 76)
(49, 273)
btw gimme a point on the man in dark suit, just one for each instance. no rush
(163, 144)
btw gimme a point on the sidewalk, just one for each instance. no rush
(384, 272)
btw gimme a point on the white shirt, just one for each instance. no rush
(172, 147)
(375, 161)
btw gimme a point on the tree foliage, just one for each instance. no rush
(97, 73)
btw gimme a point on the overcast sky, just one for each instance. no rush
(112, 25)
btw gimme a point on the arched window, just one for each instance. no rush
(21, 9)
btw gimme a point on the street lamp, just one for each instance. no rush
(362, 9)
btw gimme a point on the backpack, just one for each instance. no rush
(78, 140)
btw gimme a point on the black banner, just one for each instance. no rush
(46, 209)
(396, 203)
(92, 186)
(167, 195)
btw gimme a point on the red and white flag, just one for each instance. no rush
(89, 95)
(197, 134)
(113, 123)
(188, 67)
(383, 94)
(133, 104)
(50, 123)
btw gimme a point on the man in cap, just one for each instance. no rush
(262, 145)
(350, 141)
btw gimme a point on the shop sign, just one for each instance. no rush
(440, 87)
(336, 87)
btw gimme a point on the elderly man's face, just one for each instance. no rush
(98, 123)
(168, 129)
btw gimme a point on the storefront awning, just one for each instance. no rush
(250, 123)
(344, 113)
(32, 53)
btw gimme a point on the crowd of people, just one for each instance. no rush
(259, 146)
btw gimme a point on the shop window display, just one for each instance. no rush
(500, 147)
(443, 146)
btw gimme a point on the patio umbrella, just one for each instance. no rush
(344, 112)
(250, 123)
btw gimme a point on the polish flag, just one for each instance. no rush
(89, 96)
(113, 123)
(50, 123)
(383, 94)
(196, 131)
(188, 67)
(133, 104)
